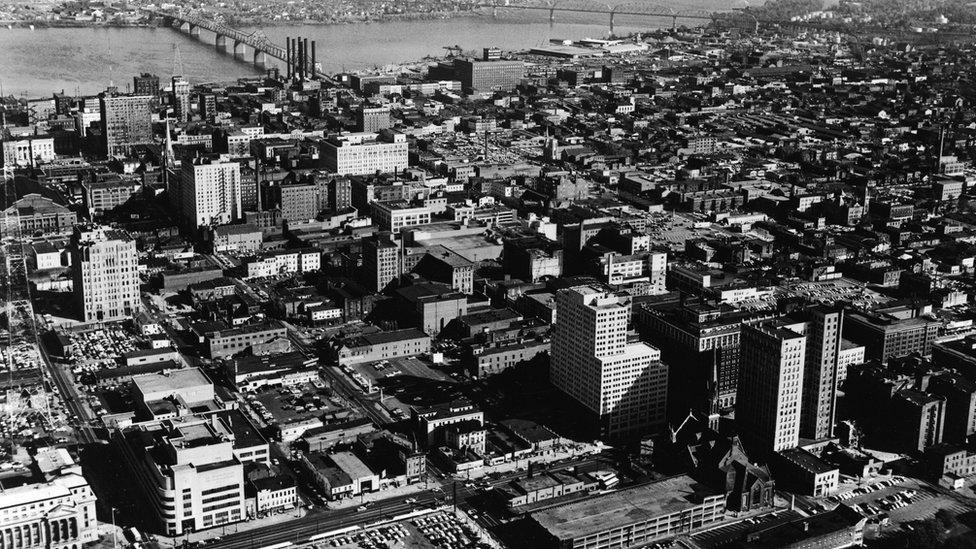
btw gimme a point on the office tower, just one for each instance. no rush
(372, 119)
(181, 98)
(356, 155)
(298, 201)
(145, 84)
(767, 408)
(211, 189)
(819, 408)
(126, 121)
(105, 272)
(624, 385)
(381, 261)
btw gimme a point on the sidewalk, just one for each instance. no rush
(232, 528)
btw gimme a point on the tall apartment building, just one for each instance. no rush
(126, 121)
(360, 154)
(105, 272)
(299, 201)
(819, 403)
(381, 261)
(59, 514)
(767, 408)
(489, 75)
(623, 384)
(181, 98)
(211, 191)
(145, 84)
(340, 193)
(372, 119)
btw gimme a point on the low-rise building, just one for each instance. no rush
(382, 346)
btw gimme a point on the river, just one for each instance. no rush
(36, 63)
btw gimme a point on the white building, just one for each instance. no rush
(283, 262)
(364, 154)
(211, 191)
(59, 514)
(105, 273)
(768, 400)
(395, 215)
(28, 151)
(623, 384)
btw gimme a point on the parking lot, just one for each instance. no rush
(285, 404)
(435, 531)
(404, 382)
(901, 500)
(100, 348)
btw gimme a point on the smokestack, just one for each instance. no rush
(288, 57)
(305, 59)
(297, 48)
(313, 60)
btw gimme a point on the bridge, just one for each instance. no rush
(641, 9)
(230, 40)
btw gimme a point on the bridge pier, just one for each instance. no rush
(552, 16)
(221, 42)
(611, 22)
(260, 59)
(240, 49)
(674, 23)
(186, 27)
(194, 31)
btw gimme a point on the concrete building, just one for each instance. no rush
(382, 346)
(145, 84)
(396, 215)
(301, 260)
(224, 343)
(372, 118)
(960, 396)
(631, 517)
(188, 473)
(126, 122)
(364, 153)
(443, 265)
(381, 261)
(432, 423)
(623, 384)
(769, 392)
(920, 419)
(237, 238)
(886, 335)
(211, 191)
(431, 306)
(103, 196)
(58, 514)
(818, 409)
(105, 273)
(27, 151)
(489, 75)
(181, 98)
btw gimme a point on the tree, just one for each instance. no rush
(926, 535)
(947, 518)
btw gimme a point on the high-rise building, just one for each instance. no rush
(298, 201)
(208, 106)
(126, 121)
(381, 261)
(624, 385)
(819, 408)
(372, 119)
(767, 408)
(340, 193)
(211, 189)
(145, 84)
(181, 98)
(105, 271)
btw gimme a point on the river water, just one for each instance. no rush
(87, 60)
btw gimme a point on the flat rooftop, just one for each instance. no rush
(630, 506)
(171, 381)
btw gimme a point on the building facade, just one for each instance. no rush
(105, 272)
